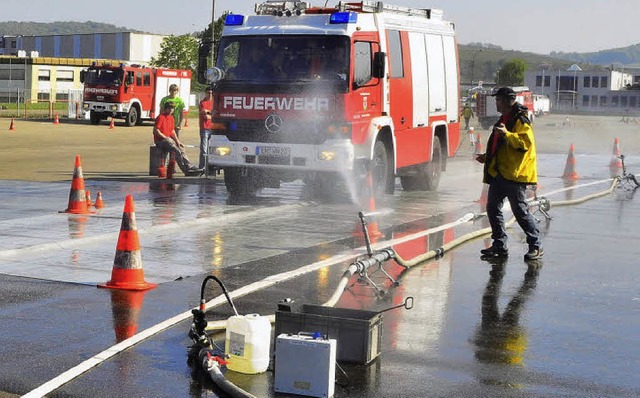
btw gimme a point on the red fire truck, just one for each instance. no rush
(486, 106)
(129, 92)
(317, 93)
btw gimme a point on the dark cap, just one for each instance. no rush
(169, 104)
(505, 92)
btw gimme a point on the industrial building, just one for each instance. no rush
(614, 91)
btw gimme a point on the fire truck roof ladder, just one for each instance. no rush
(379, 6)
(278, 7)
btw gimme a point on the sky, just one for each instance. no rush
(539, 26)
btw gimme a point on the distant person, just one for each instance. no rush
(205, 109)
(467, 114)
(165, 138)
(179, 106)
(509, 166)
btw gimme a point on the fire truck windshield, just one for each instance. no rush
(106, 77)
(262, 59)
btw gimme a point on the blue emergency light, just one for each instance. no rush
(343, 17)
(234, 20)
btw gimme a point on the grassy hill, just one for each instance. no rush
(14, 28)
(628, 56)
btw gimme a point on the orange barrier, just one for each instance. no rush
(127, 272)
(112, 125)
(56, 120)
(77, 198)
(570, 167)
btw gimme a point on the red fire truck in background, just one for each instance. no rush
(316, 93)
(486, 105)
(130, 92)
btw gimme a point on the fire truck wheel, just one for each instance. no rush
(132, 117)
(239, 185)
(428, 175)
(95, 117)
(382, 169)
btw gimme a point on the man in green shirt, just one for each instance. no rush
(179, 106)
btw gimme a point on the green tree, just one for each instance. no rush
(512, 73)
(178, 52)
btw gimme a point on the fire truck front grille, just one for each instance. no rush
(289, 132)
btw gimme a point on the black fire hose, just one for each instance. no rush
(212, 366)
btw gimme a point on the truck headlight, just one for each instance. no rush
(85, 106)
(114, 107)
(326, 155)
(221, 150)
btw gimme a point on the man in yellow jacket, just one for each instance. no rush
(509, 166)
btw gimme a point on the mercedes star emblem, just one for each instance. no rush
(273, 123)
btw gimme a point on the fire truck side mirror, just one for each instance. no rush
(204, 51)
(379, 60)
(82, 75)
(129, 80)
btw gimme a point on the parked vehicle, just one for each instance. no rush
(486, 106)
(129, 92)
(314, 93)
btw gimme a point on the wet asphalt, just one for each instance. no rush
(566, 325)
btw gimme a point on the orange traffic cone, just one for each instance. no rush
(112, 125)
(478, 149)
(127, 272)
(56, 119)
(99, 203)
(483, 197)
(12, 126)
(570, 167)
(615, 167)
(77, 198)
(372, 226)
(87, 195)
(125, 307)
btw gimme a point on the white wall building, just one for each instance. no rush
(590, 91)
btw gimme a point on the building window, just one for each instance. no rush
(594, 100)
(604, 82)
(595, 81)
(64, 76)
(632, 102)
(62, 96)
(623, 101)
(547, 81)
(585, 100)
(614, 100)
(44, 75)
(538, 81)
(586, 82)
(603, 101)
(43, 96)
(147, 78)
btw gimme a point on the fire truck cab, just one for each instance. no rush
(129, 92)
(316, 93)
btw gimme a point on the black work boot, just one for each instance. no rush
(495, 251)
(534, 253)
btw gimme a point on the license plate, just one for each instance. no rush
(273, 151)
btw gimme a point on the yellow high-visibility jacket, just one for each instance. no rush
(515, 155)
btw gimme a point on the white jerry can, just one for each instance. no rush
(247, 343)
